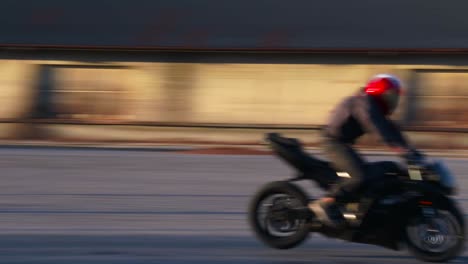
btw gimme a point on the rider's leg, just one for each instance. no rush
(343, 159)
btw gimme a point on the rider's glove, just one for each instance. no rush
(414, 157)
(410, 155)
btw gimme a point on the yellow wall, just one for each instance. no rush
(271, 94)
(278, 94)
(16, 82)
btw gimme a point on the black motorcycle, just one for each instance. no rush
(400, 206)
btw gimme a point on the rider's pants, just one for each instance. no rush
(345, 159)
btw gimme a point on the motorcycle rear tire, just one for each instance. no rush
(280, 187)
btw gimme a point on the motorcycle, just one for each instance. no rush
(400, 206)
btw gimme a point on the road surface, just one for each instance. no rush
(104, 206)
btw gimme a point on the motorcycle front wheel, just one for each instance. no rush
(438, 238)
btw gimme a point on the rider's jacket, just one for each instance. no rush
(360, 114)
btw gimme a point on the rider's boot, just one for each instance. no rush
(327, 211)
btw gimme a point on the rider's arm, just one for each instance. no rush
(371, 118)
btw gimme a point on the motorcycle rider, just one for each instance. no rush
(365, 112)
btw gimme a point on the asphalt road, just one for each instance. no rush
(93, 206)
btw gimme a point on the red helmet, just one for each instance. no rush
(386, 89)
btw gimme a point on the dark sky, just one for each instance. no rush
(236, 24)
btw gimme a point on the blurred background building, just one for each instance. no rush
(222, 71)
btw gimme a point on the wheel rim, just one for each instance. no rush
(272, 215)
(436, 234)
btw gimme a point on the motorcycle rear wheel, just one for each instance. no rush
(269, 218)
